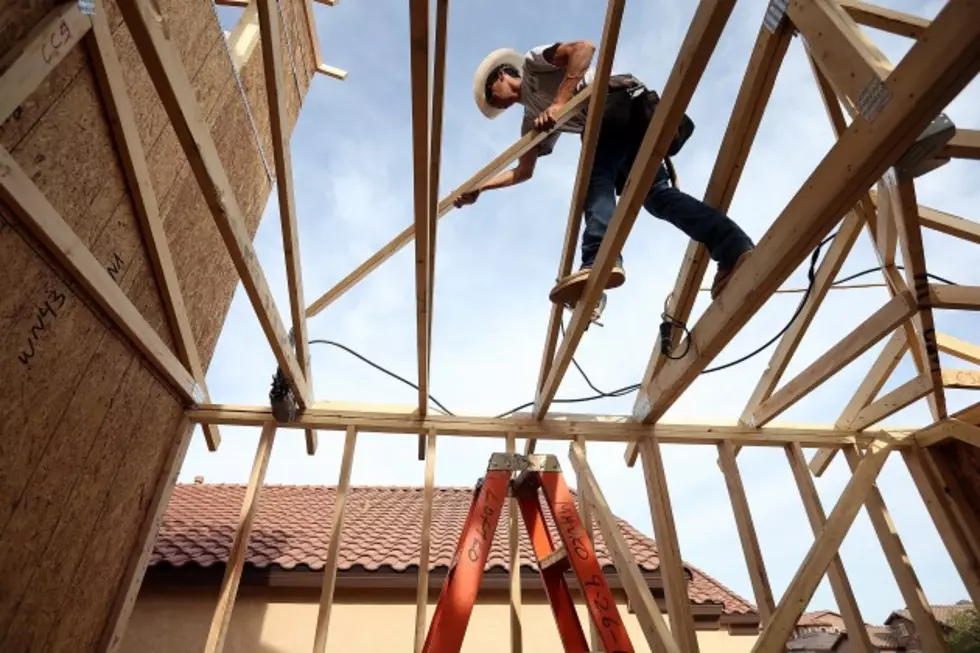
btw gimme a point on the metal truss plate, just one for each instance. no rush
(87, 7)
(775, 13)
(872, 99)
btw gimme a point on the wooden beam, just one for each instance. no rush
(961, 379)
(970, 414)
(331, 71)
(902, 396)
(889, 358)
(514, 539)
(504, 159)
(422, 587)
(746, 532)
(965, 144)
(239, 548)
(333, 546)
(926, 626)
(840, 585)
(585, 509)
(753, 96)
(108, 72)
(178, 98)
(18, 191)
(949, 224)
(964, 298)
(699, 43)
(279, 126)
(858, 341)
(590, 138)
(822, 557)
(244, 36)
(559, 427)
(947, 429)
(30, 61)
(934, 496)
(887, 20)
(651, 620)
(932, 73)
(959, 348)
(668, 547)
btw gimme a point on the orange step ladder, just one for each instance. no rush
(459, 591)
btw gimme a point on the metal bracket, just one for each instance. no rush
(921, 158)
(873, 98)
(775, 13)
(87, 7)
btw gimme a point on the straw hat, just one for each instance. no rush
(494, 59)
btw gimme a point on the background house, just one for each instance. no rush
(374, 608)
(901, 625)
(824, 630)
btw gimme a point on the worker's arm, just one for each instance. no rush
(516, 175)
(575, 57)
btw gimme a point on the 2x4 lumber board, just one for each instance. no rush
(651, 620)
(244, 36)
(585, 508)
(964, 298)
(514, 552)
(848, 58)
(970, 414)
(33, 209)
(822, 554)
(888, 359)
(902, 396)
(37, 54)
(965, 144)
(926, 626)
(590, 138)
(271, 32)
(949, 224)
(698, 45)
(239, 549)
(840, 585)
(665, 532)
(139, 557)
(333, 548)
(332, 71)
(419, 67)
(913, 256)
(108, 72)
(935, 69)
(422, 586)
(525, 144)
(961, 379)
(746, 532)
(887, 20)
(825, 275)
(885, 227)
(934, 496)
(178, 98)
(946, 429)
(592, 427)
(959, 348)
(880, 324)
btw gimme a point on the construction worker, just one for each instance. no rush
(543, 81)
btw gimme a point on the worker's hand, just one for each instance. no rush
(547, 119)
(466, 198)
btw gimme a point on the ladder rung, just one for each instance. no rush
(553, 558)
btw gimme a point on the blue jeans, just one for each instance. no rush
(724, 239)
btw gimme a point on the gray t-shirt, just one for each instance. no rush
(539, 85)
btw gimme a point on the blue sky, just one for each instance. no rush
(497, 260)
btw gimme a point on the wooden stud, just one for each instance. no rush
(961, 379)
(244, 36)
(933, 72)
(965, 144)
(700, 41)
(648, 614)
(333, 547)
(504, 159)
(876, 378)
(34, 57)
(964, 298)
(887, 20)
(239, 549)
(902, 396)
(960, 348)
(178, 98)
(746, 532)
(26, 200)
(665, 533)
(934, 496)
(926, 626)
(514, 539)
(108, 72)
(279, 126)
(332, 71)
(422, 588)
(876, 327)
(949, 224)
(585, 508)
(886, 231)
(822, 555)
(590, 138)
(970, 414)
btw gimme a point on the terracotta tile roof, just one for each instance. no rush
(814, 642)
(943, 612)
(882, 637)
(817, 618)
(382, 531)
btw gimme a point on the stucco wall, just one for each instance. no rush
(177, 621)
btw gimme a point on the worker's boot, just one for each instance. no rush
(569, 289)
(724, 275)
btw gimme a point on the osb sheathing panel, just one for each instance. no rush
(85, 423)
